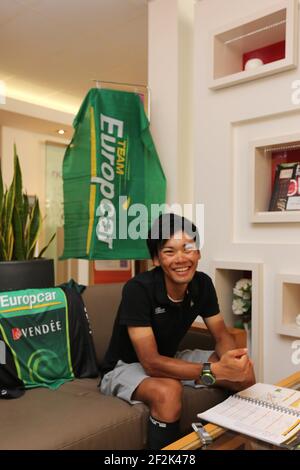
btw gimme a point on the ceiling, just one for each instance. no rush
(51, 50)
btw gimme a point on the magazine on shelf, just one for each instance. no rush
(286, 190)
(266, 412)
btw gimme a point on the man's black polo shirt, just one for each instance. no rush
(145, 303)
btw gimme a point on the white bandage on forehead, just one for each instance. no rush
(190, 246)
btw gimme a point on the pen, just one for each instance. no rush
(292, 442)
(293, 426)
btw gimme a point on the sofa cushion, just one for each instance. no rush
(102, 302)
(195, 339)
(76, 416)
(197, 400)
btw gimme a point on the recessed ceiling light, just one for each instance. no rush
(61, 131)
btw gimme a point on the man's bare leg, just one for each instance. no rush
(164, 398)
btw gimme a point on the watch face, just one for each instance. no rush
(207, 378)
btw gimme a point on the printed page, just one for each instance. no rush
(274, 395)
(253, 419)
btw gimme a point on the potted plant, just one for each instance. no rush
(20, 225)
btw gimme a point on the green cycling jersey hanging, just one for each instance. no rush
(113, 181)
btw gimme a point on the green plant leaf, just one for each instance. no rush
(45, 247)
(25, 212)
(20, 223)
(33, 229)
(7, 217)
(17, 180)
(3, 254)
(18, 248)
(1, 197)
(10, 243)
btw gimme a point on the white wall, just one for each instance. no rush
(25, 108)
(226, 120)
(31, 151)
(170, 79)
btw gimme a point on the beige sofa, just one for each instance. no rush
(77, 415)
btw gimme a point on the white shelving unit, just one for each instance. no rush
(225, 274)
(268, 27)
(288, 304)
(260, 174)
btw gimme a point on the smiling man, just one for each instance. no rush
(142, 363)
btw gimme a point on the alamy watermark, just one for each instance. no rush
(2, 352)
(295, 97)
(2, 92)
(295, 358)
(132, 221)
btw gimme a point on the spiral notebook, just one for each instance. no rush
(263, 411)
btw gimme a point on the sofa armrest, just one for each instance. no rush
(199, 337)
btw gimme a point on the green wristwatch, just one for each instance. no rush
(207, 377)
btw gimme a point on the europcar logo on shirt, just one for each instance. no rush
(16, 333)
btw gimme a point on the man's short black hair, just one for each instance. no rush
(164, 227)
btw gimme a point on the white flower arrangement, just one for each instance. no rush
(242, 295)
